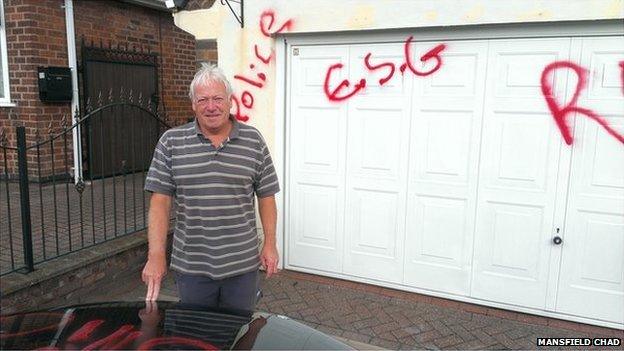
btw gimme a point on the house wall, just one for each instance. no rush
(236, 45)
(36, 36)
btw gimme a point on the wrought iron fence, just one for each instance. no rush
(58, 214)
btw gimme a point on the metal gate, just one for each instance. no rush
(46, 215)
(121, 72)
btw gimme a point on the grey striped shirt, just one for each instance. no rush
(215, 230)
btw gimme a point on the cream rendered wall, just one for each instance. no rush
(236, 45)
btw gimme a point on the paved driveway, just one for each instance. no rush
(376, 318)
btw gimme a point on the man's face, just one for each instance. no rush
(211, 105)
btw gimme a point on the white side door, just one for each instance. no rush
(317, 160)
(377, 149)
(443, 168)
(518, 174)
(591, 280)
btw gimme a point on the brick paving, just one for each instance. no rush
(374, 319)
(60, 216)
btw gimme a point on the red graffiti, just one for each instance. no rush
(266, 28)
(85, 331)
(433, 53)
(371, 67)
(112, 339)
(429, 55)
(621, 63)
(559, 112)
(7, 320)
(237, 110)
(247, 99)
(125, 342)
(264, 59)
(249, 81)
(177, 341)
(333, 95)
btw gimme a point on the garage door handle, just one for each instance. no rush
(557, 240)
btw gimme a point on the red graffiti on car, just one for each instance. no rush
(196, 344)
(85, 331)
(43, 315)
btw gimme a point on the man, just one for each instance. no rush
(212, 168)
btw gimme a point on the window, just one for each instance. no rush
(5, 98)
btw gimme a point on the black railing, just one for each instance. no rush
(59, 213)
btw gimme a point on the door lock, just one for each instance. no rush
(557, 239)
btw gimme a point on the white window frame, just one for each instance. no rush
(4, 61)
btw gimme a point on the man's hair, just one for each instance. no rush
(209, 73)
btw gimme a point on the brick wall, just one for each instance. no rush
(206, 51)
(36, 36)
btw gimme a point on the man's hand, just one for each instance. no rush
(158, 225)
(268, 216)
(150, 315)
(269, 259)
(153, 272)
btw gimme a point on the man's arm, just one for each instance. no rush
(268, 216)
(158, 226)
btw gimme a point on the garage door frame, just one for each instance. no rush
(500, 31)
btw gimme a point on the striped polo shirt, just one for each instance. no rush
(213, 188)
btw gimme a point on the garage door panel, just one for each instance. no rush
(513, 232)
(591, 280)
(374, 222)
(441, 220)
(605, 80)
(318, 155)
(377, 145)
(602, 238)
(317, 227)
(311, 64)
(592, 265)
(373, 234)
(392, 53)
(517, 68)
(519, 148)
(374, 148)
(443, 165)
(442, 154)
(457, 78)
(519, 173)
(439, 249)
(318, 205)
(606, 177)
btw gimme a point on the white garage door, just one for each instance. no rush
(458, 182)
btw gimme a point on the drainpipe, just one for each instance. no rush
(71, 58)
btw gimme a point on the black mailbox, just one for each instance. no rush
(55, 84)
